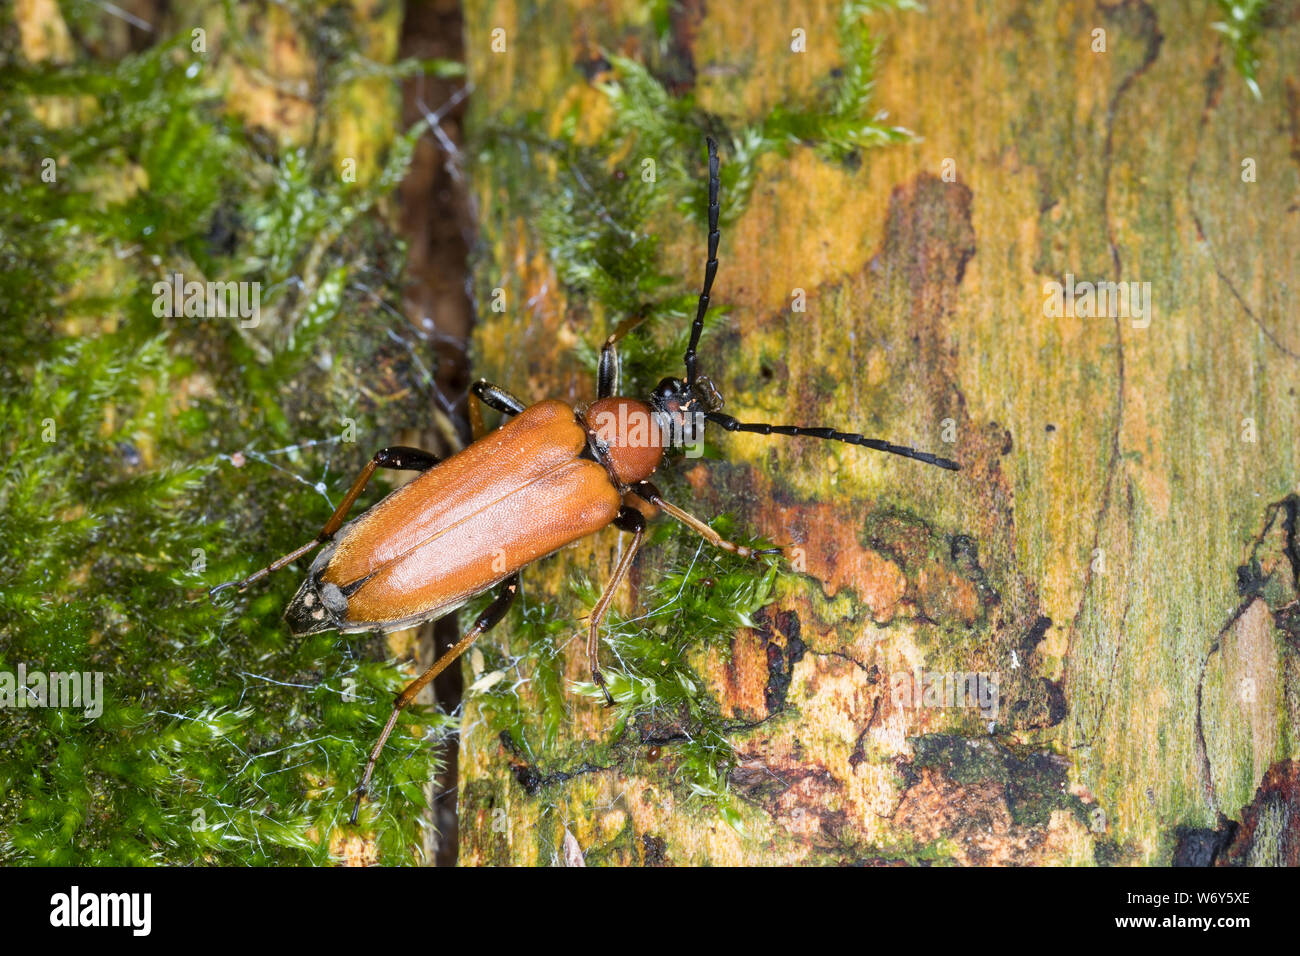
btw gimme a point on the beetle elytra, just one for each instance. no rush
(551, 474)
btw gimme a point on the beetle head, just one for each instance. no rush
(683, 406)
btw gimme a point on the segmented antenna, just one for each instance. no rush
(830, 434)
(710, 267)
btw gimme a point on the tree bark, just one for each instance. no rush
(1118, 554)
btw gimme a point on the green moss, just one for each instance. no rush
(620, 850)
(1240, 26)
(598, 225)
(904, 849)
(700, 597)
(221, 738)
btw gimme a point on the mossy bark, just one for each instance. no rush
(151, 454)
(1120, 546)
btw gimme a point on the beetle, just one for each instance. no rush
(551, 474)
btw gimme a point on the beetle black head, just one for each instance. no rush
(684, 407)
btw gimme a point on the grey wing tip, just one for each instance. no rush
(316, 607)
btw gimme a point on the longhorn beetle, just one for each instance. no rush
(550, 475)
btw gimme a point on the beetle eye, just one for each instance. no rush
(667, 387)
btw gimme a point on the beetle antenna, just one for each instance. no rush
(830, 434)
(710, 266)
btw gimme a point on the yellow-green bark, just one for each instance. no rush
(1119, 546)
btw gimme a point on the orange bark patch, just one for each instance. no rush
(976, 822)
(745, 677)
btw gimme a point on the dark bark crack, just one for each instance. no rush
(1256, 580)
(1214, 89)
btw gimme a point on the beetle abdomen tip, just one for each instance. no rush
(315, 608)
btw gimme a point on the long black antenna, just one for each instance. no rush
(794, 431)
(830, 434)
(710, 267)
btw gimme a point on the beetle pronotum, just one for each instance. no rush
(548, 476)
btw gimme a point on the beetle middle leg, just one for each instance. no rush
(628, 519)
(493, 396)
(651, 494)
(485, 622)
(395, 457)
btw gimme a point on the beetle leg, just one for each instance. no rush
(607, 375)
(633, 500)
(651, 494)
(628, 519)
(485, 621)
(396, 457)
(493, 396)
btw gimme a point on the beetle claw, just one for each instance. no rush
(598, 679)
(212, 592)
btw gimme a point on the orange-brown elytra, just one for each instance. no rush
(551, 474)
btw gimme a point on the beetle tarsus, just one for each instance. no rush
(496, 397)
(238, 585)
(599, 680)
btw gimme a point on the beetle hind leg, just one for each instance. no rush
(485, 621)
(629, 519)
(395, 457)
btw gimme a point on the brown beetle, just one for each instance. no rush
(548, 476)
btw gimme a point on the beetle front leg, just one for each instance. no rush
(628, 519)
(608, 371)
(396, 457)
(485, 621)
(651, 494)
